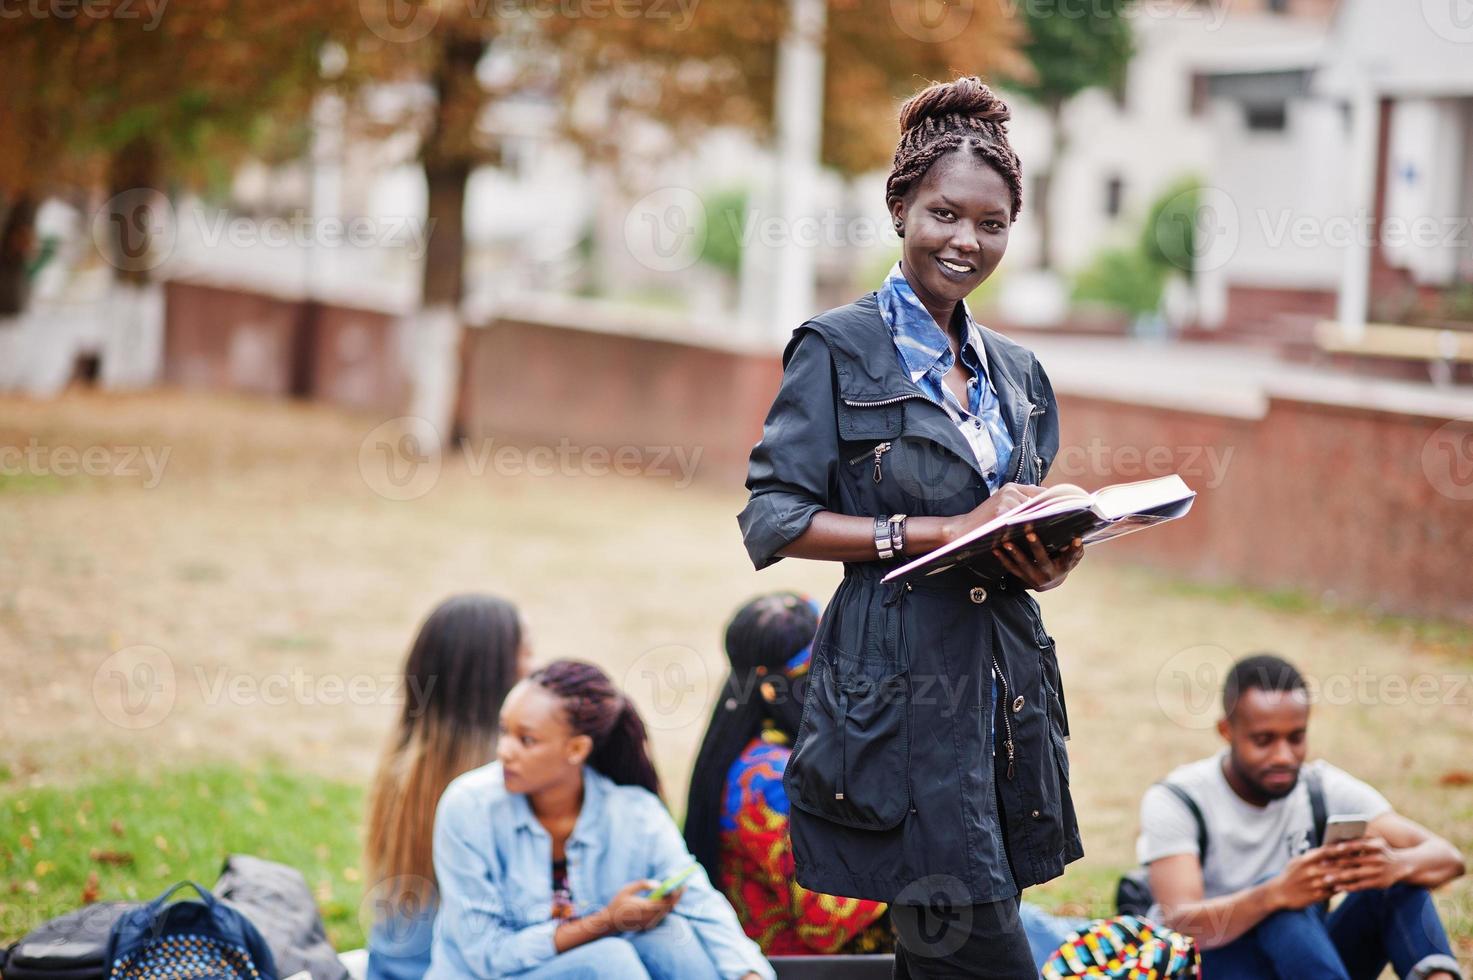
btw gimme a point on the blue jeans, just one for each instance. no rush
(1367, 930)
(1046, 931)
(399, 944)
(669, 951)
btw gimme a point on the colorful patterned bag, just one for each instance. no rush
(188, 940)
(1128, 947)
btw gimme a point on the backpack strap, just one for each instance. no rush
(1316, 786)
(1191, 805)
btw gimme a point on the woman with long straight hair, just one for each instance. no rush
(736, 818)
(550, 859)
(930, 769)
(469, 653)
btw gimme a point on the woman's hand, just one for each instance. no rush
(1008, 496)
(633, 911)
(1029, 562)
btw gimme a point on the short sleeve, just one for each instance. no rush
(1346, 796)
(1167, 827)
(793, 470)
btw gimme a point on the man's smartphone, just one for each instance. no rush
(1341, 829)
(673, 882)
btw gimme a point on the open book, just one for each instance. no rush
(1059, 515)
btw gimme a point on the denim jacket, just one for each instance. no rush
(493, 862)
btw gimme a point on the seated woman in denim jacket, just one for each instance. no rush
(468, 654)
(545, 857)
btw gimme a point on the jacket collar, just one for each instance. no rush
(868, 369)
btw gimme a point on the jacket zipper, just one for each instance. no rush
(884, 401)
(1023, 443)
(1007, 720)
(879, 450)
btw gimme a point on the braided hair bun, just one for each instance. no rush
(945, 116)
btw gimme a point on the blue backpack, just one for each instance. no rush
(187, 941)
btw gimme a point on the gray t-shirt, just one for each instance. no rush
(1245, 843)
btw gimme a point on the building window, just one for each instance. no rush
(1267, 117)
(1114, 196)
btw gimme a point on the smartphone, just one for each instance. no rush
(673, 882)
(1340, 829)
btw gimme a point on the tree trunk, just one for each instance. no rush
(137, 210)
(447, 162)
(1044, 185)
(17, 241)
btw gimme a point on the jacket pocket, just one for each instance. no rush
(849, 761)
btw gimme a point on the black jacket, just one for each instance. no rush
(891, 788)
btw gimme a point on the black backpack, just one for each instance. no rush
(69, 947)
(1133, 892)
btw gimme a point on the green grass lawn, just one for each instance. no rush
(130, 838)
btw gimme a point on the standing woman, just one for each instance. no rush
(929, 770)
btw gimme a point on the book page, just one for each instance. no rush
(1129, 498)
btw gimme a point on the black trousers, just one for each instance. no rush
(986, 942)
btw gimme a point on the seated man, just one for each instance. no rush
(1254, 903)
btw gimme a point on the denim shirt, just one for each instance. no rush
(493, 863)
(925, 352)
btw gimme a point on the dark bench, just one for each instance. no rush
(875, 967)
